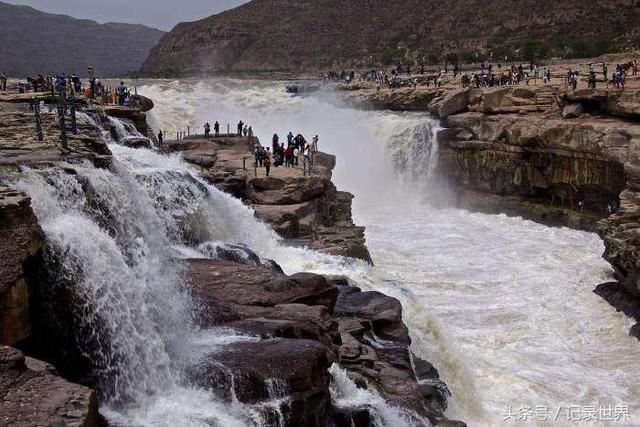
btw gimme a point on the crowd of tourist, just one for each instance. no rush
(297, 150)
(71, 86)
(487, 74)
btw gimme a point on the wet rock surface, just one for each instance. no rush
(32, 395)
(294, 371)
(305, 323)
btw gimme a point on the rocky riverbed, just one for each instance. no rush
(301, 324)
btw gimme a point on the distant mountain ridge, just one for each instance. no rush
(33, 42)
(306, 35)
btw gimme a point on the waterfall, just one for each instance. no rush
(115, 235)
(414, 152)
(114, 238)
(346, 394)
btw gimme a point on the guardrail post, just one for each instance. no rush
(36, 112)
(74, 123)
(63, 126)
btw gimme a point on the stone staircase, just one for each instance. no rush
(548, 98)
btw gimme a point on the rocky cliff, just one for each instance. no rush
(308, 35)
(560, 157)
(36, 42)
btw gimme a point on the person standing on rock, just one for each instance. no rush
(250, 131)
(160, 137)
(307, 155)
(267, 161)
(288, 156)
(290, 138)
(240, 127)
(259, 156)
(216, 129)
(315, 143)
(122, 93)
(207, 130)
(274, 142)
(296, 154)
(3, 82)
(245, 131)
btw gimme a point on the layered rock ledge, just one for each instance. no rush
(301, 207)
(31, 390)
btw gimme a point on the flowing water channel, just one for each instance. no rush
(502, 306)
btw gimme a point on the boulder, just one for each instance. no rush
(238, 253)
(33, 396)
(572, 111)
(384, 312)
(292, 373)
(454, 102)
(136, 142)
(249, 285)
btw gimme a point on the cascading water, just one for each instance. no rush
(346, 394)
(502, 306)
(116, 236)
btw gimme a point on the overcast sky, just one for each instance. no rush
(163, 14)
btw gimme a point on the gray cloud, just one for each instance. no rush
(163, 14)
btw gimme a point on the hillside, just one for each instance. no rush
(295, 35)
(34, 42)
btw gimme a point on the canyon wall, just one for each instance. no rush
(312, 35)
(556, 156)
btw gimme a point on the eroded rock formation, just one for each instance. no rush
(21, 240)
(308, 209)
(296, 326)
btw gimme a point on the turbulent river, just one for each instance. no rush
(502, 306)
